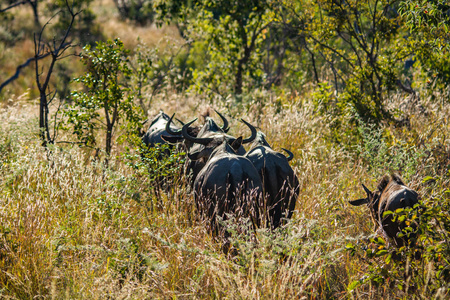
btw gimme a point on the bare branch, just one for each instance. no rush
(56, 49)
(13, 5)
(19, 69)
(55, 121)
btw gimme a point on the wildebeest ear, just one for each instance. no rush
(237, 143)
(359, 202)
(368, 192)
(172, 139)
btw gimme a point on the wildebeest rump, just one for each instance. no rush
(281, 185)
(391, 194)
(228, 184)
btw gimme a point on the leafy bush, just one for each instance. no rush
(429, 24)
(106, 92)
(380, 150)
(157, 168)
(156, 70)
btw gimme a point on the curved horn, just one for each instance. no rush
(253, 136)
(184, 131)
(366, 189)
(225, 127)
(291, 155)
(169, 130)
(181, 122)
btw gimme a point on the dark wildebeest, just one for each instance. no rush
(392, 194)
(192, 168)
(157, 129)
(152, 138)
(175, 136)
(281, 185)
(209, 137)
(228, 184)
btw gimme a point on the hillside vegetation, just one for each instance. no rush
(354, 90)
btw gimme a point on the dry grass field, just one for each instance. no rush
(73, 230)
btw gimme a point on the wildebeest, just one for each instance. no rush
(281, 185)
(192, 167)
(227, 184)
(208, 138)
(157, 129)
(391, 194)
(176, 137)
(151, 139)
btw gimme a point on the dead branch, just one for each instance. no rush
(55, 50)
(13, 5)
(19, 69)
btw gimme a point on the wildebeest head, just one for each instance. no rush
(210, 125)
(260, 140)
(175, 136)
(207, 140)
(157, 129)
(391, 194)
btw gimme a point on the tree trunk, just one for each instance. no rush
(240, 69)
(108, 145)
(238, 82)
(34, 6)
(42, 117)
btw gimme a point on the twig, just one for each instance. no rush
(20, 67)
(13, 5)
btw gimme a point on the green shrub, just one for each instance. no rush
(106, 100)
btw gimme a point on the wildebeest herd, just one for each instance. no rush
(259, 185)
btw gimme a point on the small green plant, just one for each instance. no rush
(106, 100)
(155, 168)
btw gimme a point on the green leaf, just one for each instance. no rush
(428, 178)
(387, 213)
(353, 285)
(349, 246)
(382, 252)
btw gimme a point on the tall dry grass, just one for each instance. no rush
(70, 229)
